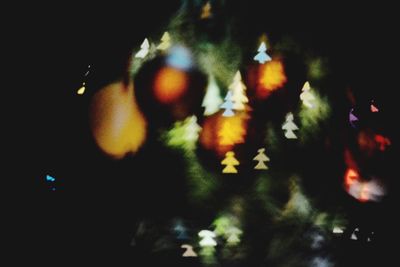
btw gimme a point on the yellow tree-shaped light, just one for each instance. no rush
(231, 132)
(271, 76)
(261, 158)
(206, 11)
(230, 161)
(165, 42)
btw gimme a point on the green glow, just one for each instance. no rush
(202, 184)
(208, 255)
(316, 69)
(184, 134)
(222, 224)
(263, 194)
(311, 118)
(298, 204)
(222, 60)
(271, 138)
(233, 236)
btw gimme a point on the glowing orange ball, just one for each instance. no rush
(117, 124)
(169, 85)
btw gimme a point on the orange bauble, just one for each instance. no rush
(170, 85)
(117, 124)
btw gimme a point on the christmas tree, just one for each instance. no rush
(230, 163)
(261, 158)
(289, 127)
(306, 96)
(233, 234)
(212, 99)
(262, 57)
(206, 11)
(228, 105)
(144, 49)
(207, 238)
(189, 252)
(238, 89)
(165, 42)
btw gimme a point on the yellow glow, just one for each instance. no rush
(230, 161)
(206, 11)
(117, 124)
(231, 131)
(271, 77)
(165, 42)
(81, 90)
(222, 133)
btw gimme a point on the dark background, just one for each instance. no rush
(92, 216)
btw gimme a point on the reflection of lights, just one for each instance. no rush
(261, 157)
(352, 118)
(262, 56)
(382, 142)
(230, 161)
(350, 177)
(206, 11)
(307, 96)
(231, 132)
(81, 90)
(117, 124)
(179, 57)
(361, 190)
(270, 78)
(316, 69)
(233, 233)
(337, 230)
(370, 142)
(212, 99)
(373, 107)
(354, 235)
(238, 89)
(207, 238)
(189, 251)
(180, 230)
(170, 84)
(221, 133)
(184, 134)
(289, 127)
(312, 118)
(228, 105)
(165, 42)
(50, 178)
(298, 204)
(144, 49)
(221, 224)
